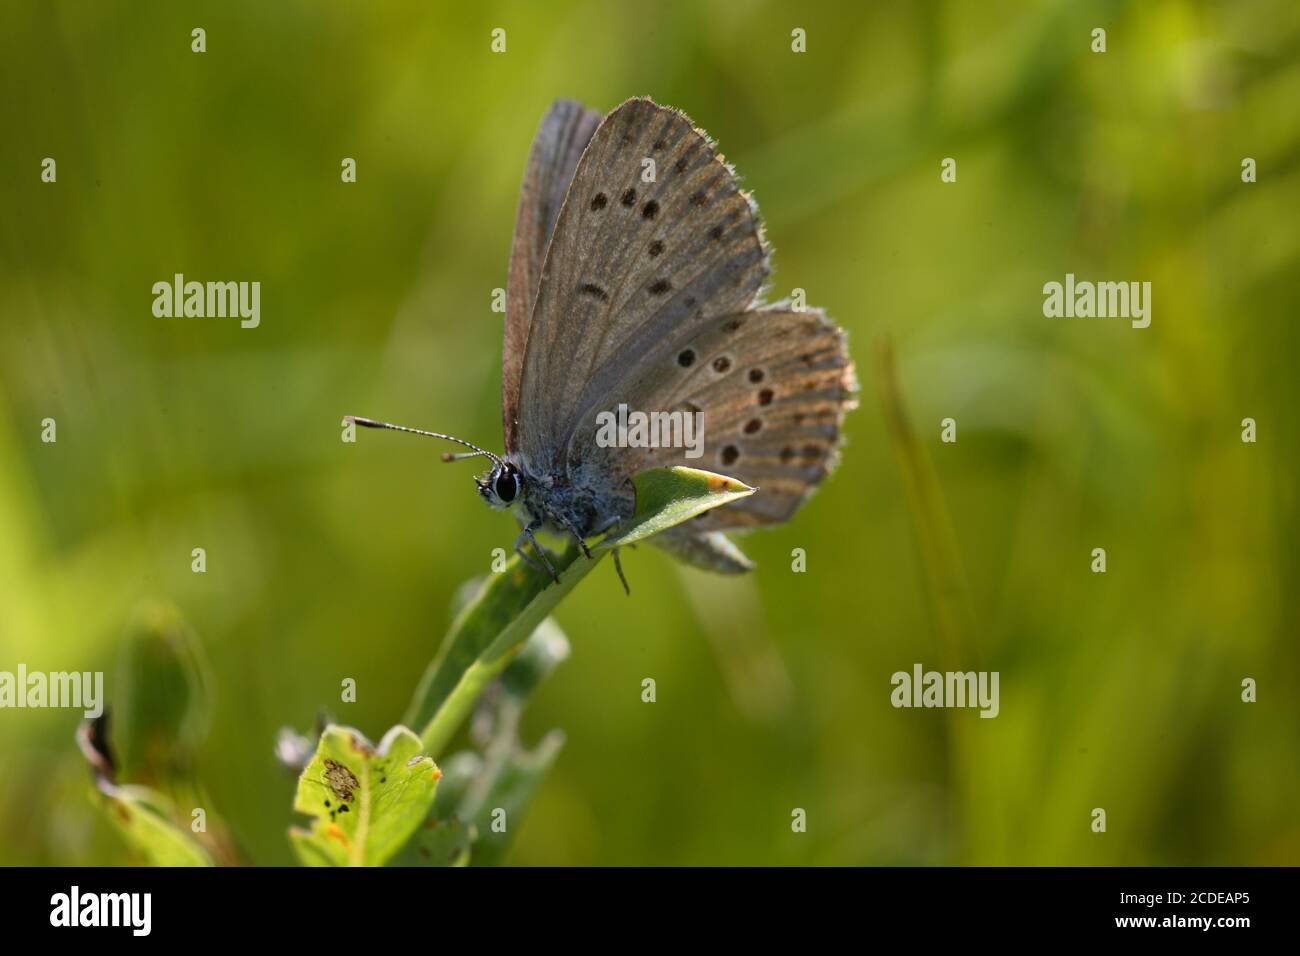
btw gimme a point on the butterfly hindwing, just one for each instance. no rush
(710, 550)
(640, 251)
(772, 386)
(774, 419)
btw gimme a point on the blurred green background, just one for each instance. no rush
(329, 560)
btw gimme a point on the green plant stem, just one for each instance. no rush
(950, 604)
(514, 602)
(448, 718)
(945, 578)
(455, 679)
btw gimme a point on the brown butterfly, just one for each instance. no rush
(636, 279)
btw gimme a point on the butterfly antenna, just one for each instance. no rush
(447, 456)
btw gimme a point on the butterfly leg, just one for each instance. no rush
(611, 526)
(577, 537)
(527, 560)
(618, 566)
(519, 547)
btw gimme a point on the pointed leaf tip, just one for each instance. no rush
(665, 497)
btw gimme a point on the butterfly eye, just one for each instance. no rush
(507, 486)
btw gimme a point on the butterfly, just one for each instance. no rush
(636, 279)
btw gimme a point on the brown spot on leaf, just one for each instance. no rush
(342, 781)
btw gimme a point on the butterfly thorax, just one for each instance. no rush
(573, 503)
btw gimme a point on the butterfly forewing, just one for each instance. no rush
(565, 131)
(654, 236)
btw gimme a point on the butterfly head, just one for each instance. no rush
(501, 486)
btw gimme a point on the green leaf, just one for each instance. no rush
(366, 801)
(146, 819)
(668, 496)
(546, 649)
(445, 842)
(459, 771)
(511, 780)
(513, 603)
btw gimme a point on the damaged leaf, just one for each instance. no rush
(366, 801)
